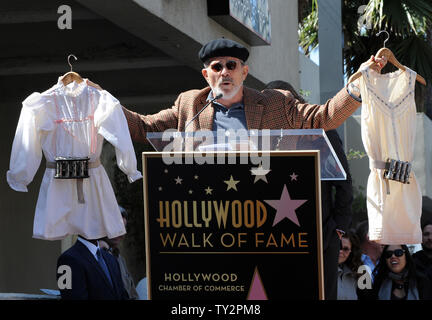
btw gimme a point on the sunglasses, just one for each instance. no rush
(398, 253)
(230, 65)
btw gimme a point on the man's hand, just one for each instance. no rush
(375, 63)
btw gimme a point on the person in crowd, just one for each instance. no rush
(235, 106)
(142, 288)
(423, 258)
(371, 250)
(95, 274)
(283, 85)
(396, 277)
(349, 262)
(336, 198)
(113, 247)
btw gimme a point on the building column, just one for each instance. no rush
(330, 50)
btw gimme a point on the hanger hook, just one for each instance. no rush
(69, 56)
(388, 36)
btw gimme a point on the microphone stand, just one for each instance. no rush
(220, 95)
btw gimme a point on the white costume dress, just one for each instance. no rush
(72, 121)
(388, 126)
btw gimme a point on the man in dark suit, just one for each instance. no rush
(95, 273)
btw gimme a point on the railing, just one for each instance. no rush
(26, 296)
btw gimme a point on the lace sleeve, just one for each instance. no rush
(26, 152)
(112, 125)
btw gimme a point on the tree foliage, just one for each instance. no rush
(407, 22)
(308, 30)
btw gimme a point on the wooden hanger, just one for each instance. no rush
(386, 52)
(71, 75)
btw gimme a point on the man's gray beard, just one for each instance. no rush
(226, 96)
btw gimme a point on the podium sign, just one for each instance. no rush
(232, 229)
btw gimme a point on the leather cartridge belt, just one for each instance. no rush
(73, 168)
(395, 170)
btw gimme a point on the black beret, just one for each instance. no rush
(223, 48)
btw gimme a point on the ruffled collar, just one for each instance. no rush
(73, 89)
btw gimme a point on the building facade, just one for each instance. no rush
(144, 52)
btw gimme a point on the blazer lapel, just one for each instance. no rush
(253, 108)
(206, 116)
(92, 260)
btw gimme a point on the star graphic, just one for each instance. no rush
(190, 191)
(231, 183)
(294, 176)
(257, 290)
(285, 207)
(196, 177)
(260, 173)
(208, 190)
(160, 188)
(166, 170)
(178, 180)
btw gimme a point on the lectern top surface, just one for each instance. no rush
(253, 140)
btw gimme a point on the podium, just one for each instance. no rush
(236, 215)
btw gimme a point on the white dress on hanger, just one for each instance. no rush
(72, 121)
(388, 127)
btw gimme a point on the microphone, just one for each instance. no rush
(220, 95)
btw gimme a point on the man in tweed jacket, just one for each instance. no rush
(225, 70)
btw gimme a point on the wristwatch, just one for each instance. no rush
(354, 92)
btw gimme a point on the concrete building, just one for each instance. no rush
(145, 53)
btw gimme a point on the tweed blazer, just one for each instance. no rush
(267, 109)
